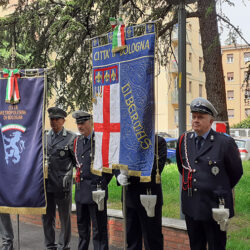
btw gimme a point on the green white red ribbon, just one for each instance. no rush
(12, 90)
(118, 41)
(13, 127)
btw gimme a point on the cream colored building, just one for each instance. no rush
(234, 59)
(167, 108)
(166, 82)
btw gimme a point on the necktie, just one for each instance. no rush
(85, 141)
(53, 137)
(199, 141)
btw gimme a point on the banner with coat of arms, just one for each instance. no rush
(21, 142)
(123, 104)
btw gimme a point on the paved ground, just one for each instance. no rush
(31, 237)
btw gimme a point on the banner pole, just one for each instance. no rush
(124, 211)
(13, 65)
(18, 232)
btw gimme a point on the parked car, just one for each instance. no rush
(164, 134)
(244, 147)
(171, 149)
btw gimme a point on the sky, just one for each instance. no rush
(239, 15)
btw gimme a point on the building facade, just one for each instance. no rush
(235, 61)
(166, 83)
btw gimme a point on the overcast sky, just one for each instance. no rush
(239, 16)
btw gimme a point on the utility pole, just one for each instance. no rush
(182, 74)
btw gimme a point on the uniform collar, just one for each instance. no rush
(62, 131)
(204, 135)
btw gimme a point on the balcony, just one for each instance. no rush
(174, 97)
(175, 38)
(174, 67)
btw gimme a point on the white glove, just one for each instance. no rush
(122, 178)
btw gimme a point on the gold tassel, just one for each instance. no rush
(157, 177)
(46, 170)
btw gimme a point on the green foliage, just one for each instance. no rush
(56, 33)
(244, 124)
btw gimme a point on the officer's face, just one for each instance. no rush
(57, 124)
(85, 128)
(201, 123)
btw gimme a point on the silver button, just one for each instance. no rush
(81, 171)
(195, 161)
(82, 156)
(195, 189)
(194, 180)
(81, 179)
(194, 170)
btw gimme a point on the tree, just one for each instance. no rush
(244, 124)
(62, 28)
(215, 83)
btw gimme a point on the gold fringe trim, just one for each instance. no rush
(120, 166)
(117, 49)
(134, 173)
(145, 179)
(96, 172)
(107, 170)
(23, 210)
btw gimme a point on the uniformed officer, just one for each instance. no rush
(139, 224)
(59, 151)
(86, 182)
(210, 165)
(6, 232)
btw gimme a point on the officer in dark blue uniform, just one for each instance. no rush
(86, 183)
(139, 224)
(59, 151)
(6, 232)
(210, 165)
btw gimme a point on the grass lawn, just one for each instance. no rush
(239, 229)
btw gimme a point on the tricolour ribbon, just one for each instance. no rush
(12, 90)
(118, 41)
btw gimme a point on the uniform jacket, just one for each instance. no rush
(60, 159)
(216, 168)
(88, 181)
(135, 188)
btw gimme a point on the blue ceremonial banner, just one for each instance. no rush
(21, 142)
(123, 106)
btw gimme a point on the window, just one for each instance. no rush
(200, 63)
(200, 90)
(247, 94)
(230, 113)
(230, 76)
(176, 83)
(247, 112)
(190, 86)
(230, 58)
(190, 118)
(190, 56)
(246, 76)
(247, 56)
(230, 94)
(176, 116)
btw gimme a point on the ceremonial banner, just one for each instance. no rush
(123, 105)
(21, 142)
